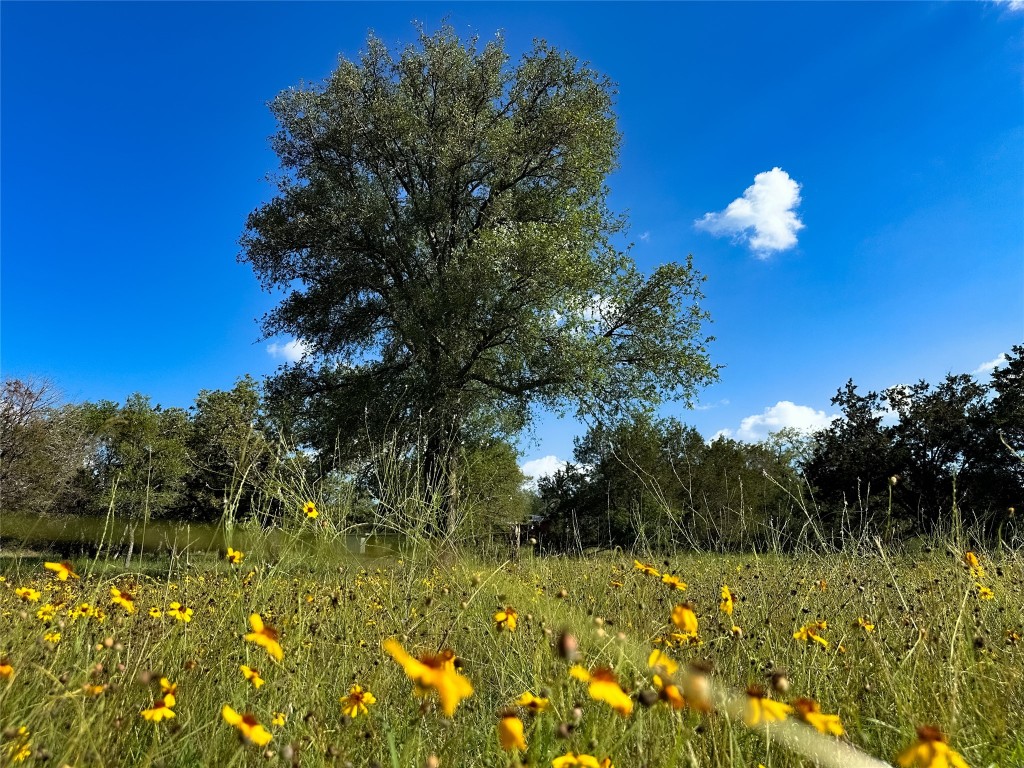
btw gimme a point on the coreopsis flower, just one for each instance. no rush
(265, 636)
(251, 675)
(864, 624)
(761, 709)
(93, 690)
(6, 668)
(931, 750)
(812, 631)
(160, 710)
(673, 582)
(83, 611)
(123, 599)
(810, 712)
(604, 687)
(52, 637)
(20, 746)
(506, 619)
(279, 718)
(727, 604)
(169, 690)
(64, 570)
(984, 593)
(971, 561)
(357, 701)
(248, 727)
(573, 760)
(650, 570)
(46, 613)
(822, 584)
(736, 631)
(511, 733)
(662, 662)
(436, 671)
(234, 556)
(28, 594)
(178, 611)
(685, 619)
(533, 703)
(309, 508)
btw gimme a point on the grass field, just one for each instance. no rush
(906, 641)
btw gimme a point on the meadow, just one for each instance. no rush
(437, 658)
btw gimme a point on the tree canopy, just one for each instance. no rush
(442, 235)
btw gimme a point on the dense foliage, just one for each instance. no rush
(442, 237)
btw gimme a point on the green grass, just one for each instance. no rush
(939, 655)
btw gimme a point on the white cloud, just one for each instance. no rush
(779, 416)
(542, 467)
(1011, 5)
(991, 365)
(647, 235)
(765, 217)
(291, 352)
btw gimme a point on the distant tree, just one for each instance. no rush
(229, 449)
(42, 447)
(139, 457)
(442, 234)
(851, 463)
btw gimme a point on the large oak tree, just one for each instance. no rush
(448, 259)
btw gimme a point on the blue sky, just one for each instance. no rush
(888, 245)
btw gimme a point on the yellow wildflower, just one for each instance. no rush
(812, 632)
(573, 760)
(6, 668)
(533, 703)
(984, 593)
(761, 709)
(248, 727)
(864, 624)
(604, 687)
(28, 594)
(168, 689)
(20, 747)
(727, 604)
(46, 613)
(178, 611)
(971, 560)
(650, 570)
(234, 556)
(52, 637)
(63, 570)
(160, 710)
(931, 750)
(278, 719)
(810, 712)
(685, 619)
(252, 675)
(265, 636)
(506, 619)
(433, 671)
(93, 690)
(510, 733)
(310, 509)
(673, 582)
(357, 701)
(123, 599)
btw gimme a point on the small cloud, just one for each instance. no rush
(724, 434)
(647, 235)
(710, 406)
(1011, 5)
(991, 365)
(542, 467)
(291, 352)
(784, 414)
(765, 217)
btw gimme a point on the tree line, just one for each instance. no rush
(912, 460)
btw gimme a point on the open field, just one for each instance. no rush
(82, 675)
